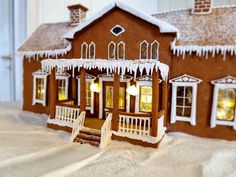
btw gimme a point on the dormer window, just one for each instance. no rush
(117, 30)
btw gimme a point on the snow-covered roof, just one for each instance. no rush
(214, 32)
(164, 27)
(47, 40)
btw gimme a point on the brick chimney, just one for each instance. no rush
(202, 6)
(77, 13)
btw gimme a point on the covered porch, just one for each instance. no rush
(136, 127)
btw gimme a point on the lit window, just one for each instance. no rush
(144, 50)
(155, 50)
(89, 94)
(117, 30)
(39, 87)
(84, 50)
(145, 103)
(184, 99)
(121, 50)
(224, 102)
(92, 51)
(111, 50)
(62, 85)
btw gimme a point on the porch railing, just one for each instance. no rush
(66, 102)
(138, 124)
(106, 132)
(67, 113)
(77, 126)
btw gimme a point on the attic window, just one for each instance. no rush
(117, 30)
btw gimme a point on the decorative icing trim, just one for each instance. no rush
(184, 81)
(122, 66)
(203, 50)
(225, 80)
(117, 26)
(45, 53)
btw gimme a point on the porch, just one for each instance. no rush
(145, 128)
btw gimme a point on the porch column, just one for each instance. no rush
(155, 101)
(53, 93)
(115, 111)
(164, 105)
(73, 89)
(82, 90)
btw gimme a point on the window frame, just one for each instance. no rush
(184, 81)
(140, 49)
(89, 48)
(225, 83)
(118, 50)
(114, 50)
(119, 26)
(39, 75)
(63, 76)
(86, 47)
(89, 78)
(158, 47)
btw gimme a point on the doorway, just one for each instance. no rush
(108, 97)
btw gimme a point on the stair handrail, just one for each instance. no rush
(77, 125)
(106, 132)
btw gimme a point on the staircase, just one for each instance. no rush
(88, 136)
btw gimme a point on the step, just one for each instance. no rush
(83, 141)
(89, 137)
(89, 131)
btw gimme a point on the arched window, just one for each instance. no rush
(111, 50)
(121, 50)
(155, 50)
(144, 50)
(84, 50)
(92, 51)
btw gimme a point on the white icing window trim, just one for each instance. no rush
(140, 49)
(40, 75)
(64, 76)
(91, 79)
(123, 30)
(86, 46)
(109, 78)
(184, 81)
(92, 44)
(120, 43)
(114, 50)
(158, 47)
(227, 82)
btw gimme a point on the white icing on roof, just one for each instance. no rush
(164, 27)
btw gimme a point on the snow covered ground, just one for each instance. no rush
(28, 149)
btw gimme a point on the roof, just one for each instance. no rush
(215, 29)
(164, 27)
(47, 39)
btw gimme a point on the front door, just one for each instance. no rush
(108, 97)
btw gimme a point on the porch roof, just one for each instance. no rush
(121, 66)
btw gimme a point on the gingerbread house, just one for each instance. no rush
(125, 75)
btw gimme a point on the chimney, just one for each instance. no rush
(77, 13)
(202, 6)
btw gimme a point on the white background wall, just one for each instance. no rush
(46, 11)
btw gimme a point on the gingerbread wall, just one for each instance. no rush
(136, 31)
(207, 70)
